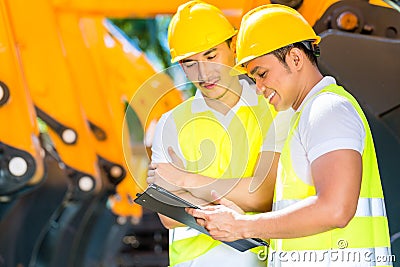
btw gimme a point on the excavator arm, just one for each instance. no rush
(99, 96)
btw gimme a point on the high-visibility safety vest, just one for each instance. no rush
(217, 151)
(363, 242)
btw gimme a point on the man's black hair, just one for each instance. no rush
(310, 51)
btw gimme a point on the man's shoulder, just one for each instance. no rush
(183, 112)
(328, 102)
(326, 109)
(185, 104)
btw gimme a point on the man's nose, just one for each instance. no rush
(203, 70)
(260, 88)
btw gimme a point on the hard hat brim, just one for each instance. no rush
(239, 68)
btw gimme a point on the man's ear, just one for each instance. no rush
(296, 58)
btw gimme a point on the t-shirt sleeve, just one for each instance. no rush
(278, 131)
(331, 123)
(165, 135)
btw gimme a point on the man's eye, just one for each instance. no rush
(211, 57)
(262, 75)
(189, 65)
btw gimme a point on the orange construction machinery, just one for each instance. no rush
(77, 73)
(64, 62)
(69, 71)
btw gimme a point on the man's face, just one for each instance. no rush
(209, 70)
(274, 80)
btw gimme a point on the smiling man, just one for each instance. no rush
(225, 139)
(328, 205)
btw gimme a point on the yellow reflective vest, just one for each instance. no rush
(363, 241)
(217, 151)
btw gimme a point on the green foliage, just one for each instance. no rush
(151, 36)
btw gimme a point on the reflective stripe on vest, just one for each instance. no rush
(225, 256)
(365, 207)
(369, 227)
(217, 151)
(180, 233)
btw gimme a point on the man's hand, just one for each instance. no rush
(176, 161)
(154, 177)
(167, 175)
(221, 222)
(219, 200)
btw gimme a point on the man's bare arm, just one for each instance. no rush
(251, 194)
(337, 179)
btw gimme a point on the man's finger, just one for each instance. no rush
(177, 162)
(152, 166)
(150, 180)
(216, 197)
(201, 222)
(151, 173)
(226, 202)
(172, 153)
(197, 213)
(210, 208)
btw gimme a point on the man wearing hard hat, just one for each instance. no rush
(328, 207)
(221, 134)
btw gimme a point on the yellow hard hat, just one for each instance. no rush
(196, 27)
(267, 28)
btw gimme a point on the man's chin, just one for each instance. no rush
(279, 108)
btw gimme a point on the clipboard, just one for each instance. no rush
(162, 201)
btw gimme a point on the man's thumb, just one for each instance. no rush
(176, 161)
(218, 199)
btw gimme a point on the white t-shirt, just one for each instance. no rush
(166, 135)
(329, 122)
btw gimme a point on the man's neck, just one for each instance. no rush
(313, 78)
